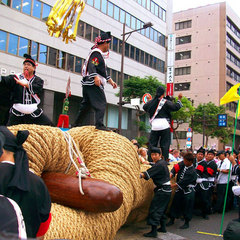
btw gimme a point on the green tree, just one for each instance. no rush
(205, 122)
(136, 87)
(183, 115)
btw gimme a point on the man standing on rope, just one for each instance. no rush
(25, 89)
(159, 110)
(162, 193)
(95, 76)
(25, 188)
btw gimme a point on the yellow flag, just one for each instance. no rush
(231, 95)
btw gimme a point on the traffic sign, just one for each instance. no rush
(189, 139)
(145, 96)
(188, 144)
(222, 120)
(189, 134)
(189, 129)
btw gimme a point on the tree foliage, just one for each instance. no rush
(205, 121)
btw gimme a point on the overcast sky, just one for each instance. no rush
(179, 5)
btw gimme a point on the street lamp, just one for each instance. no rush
(121, 103)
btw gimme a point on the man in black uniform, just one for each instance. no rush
(25, 89)
(202, 182)
(25, 188)
(159, 110)
(95, 76)
(183, 201)
(160, 175)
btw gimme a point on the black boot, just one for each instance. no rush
(171, 222)
(163, 226)
(185, 225)
(153, 233)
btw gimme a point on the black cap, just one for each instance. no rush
(29, 59)
(235, 151)
(155, 150)
(211, 151)
(228, 152)
(201, 150)
(160, 91)
(220, 152)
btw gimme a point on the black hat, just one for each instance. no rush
(228, 152)
(29, 59)
(13, 144)
(160, 91)
(220, 152)
(2, 140)
(211, 151)
(156, 150)
(201, 150)
(105, 37)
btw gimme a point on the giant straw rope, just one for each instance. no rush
(108, 156)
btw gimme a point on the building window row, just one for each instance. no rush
(154, 8)
(182, 55)
(233, 58)
(233, 74)
(182, 71)
(233, 27)
(132, 22)
(180, 134)
(233, 43)
(182, 86)
(90, 33)
(183, 25)
(33, 8)
(18, 46)
(183, 39)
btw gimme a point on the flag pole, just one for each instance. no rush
(229, 173)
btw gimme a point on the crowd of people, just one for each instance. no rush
(197, 181)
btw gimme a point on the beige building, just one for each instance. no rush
(207, 59)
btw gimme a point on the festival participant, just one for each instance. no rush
(159, 110)
(223, 168)
(211, 170)
(25, 188)
(160, 175)
(25, 89)
(202, 182)
(95, 76)
(183, 201)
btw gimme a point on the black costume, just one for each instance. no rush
(161, 109)
(25, 188)
(94, 96)
(183, 201)
(25, 100)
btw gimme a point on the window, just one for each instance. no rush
(142, 57)
(13, 44)
(88, 32)
(42, 53)
(182, 71)
(148, 4)
(132, 52)
(116, 13)
(90, 2)
(180, 134)
(70, 62)
(16, 4)
(95, 33)
(46, 11)
(80, 31)
(52, 56)
(128, 19)
(110, 9)
(36, 9)
(114, 76)
(6, 2)
(112, 117)
(151, 34)
(26, 6)
(182, 86)
(23, 46)
(34, 50)
(183, 25)
(114, 44)
(133, 22)
(104, 6)
(3, 40)
(137, 54)
(97, 4)
(122, 16)
(78, 65)
(183, 40)
(127, 50)
(183, 55)
(61, 60)
(146, 58)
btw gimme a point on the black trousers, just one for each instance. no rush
(201, 198)
(28, 119)
(182, 205)
(209, 197)
(164, 138)
(221, 191)
(93, 96)
(158, 207)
